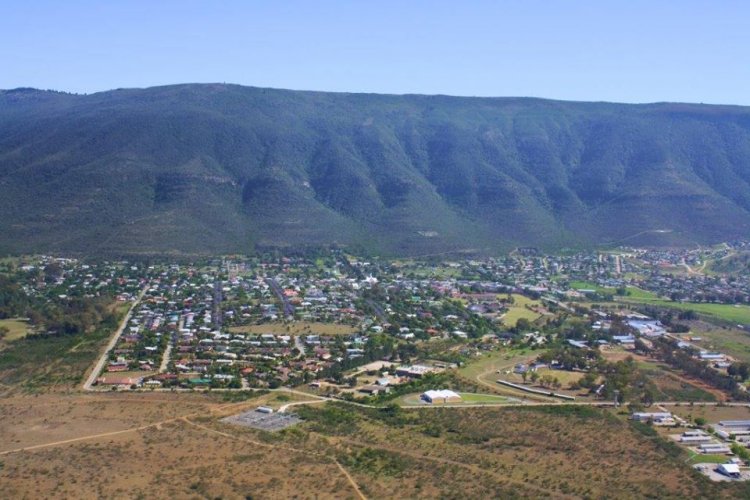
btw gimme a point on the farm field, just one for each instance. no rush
(730, 340)
(632, 292)
(725, 312)
(437, 272)
(589, 285)
(639, 294)
(712, 413)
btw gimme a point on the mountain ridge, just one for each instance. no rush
(223, 168)
(365, 93)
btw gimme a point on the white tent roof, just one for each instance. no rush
(440, 394)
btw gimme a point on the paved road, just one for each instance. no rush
(218, 297)
(167, 355)
(288, 308)
(299, 345)
(285, 407)
(87, 385)
(377, 309)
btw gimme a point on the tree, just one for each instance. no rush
(546, 380)
(523, 324)
(640, 346)
(649, 395)
(740, 451)
(688, 315)
(588, 380)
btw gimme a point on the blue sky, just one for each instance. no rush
(627, 51)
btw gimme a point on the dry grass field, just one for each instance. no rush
(519, 310)
(711, 413)
(17, 328)
(33, 420)
(729, 340)
(164, 445)
(672, 385)
(175, 460)
(484, 371)
(148, 445)
(296, 328)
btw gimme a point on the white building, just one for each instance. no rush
(729, 469)
(655, 417)
(441, 396)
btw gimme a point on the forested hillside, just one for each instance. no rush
(221, 168)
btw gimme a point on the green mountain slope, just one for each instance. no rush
(219, 168)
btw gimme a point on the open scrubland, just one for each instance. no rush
(166, 445)
(117, 445)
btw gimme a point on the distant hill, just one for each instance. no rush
(222, 168)
(738, 263)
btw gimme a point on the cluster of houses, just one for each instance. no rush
(716, 442)
(194, 321)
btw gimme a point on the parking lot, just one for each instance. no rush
(264, 421)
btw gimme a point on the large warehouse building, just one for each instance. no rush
(441, 396)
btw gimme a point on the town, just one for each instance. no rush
(657, 334)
